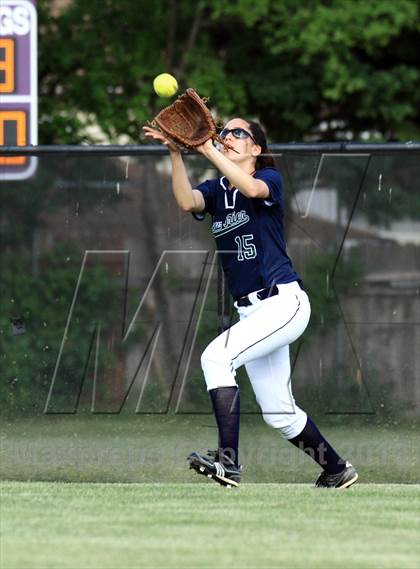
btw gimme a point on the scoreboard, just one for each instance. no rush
(18, 85)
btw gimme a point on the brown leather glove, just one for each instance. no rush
(187, 121)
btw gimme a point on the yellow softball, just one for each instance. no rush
(165, 85)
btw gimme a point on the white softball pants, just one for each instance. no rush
(260, 341)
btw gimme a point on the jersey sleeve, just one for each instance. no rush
(274, 181)
(208, 189)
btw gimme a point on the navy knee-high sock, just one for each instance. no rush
(226, 407)
(312, 442)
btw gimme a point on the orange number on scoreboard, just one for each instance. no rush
(7, 65)
(12, 133)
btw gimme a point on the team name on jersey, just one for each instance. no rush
(232, 221)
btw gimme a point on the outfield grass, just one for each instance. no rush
(51, 525)
(172, 519)
(154, 448)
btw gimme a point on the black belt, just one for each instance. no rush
(261, 295)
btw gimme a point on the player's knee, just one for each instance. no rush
(288, 424)
(217, 367)
(214, 354)
(209, 355)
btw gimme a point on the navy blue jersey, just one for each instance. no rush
(249, 233)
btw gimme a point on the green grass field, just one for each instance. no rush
(111, 491)
(50, 525)
(154, 448)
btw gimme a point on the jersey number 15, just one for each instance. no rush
(246, 249)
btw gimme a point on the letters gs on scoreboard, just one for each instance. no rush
(18, 85)
(14, 21)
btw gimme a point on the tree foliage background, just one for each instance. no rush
(308, 70)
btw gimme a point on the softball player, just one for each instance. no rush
(247, 204)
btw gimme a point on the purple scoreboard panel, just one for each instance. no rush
(18, 85)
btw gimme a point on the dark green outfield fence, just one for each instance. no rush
(109, 293)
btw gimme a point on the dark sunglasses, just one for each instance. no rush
(237, 133)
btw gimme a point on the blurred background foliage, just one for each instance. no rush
(41, 302)
(312, 70)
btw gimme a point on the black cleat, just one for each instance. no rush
(219, 468)
(343, 479)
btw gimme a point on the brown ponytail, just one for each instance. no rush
(265, 159)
